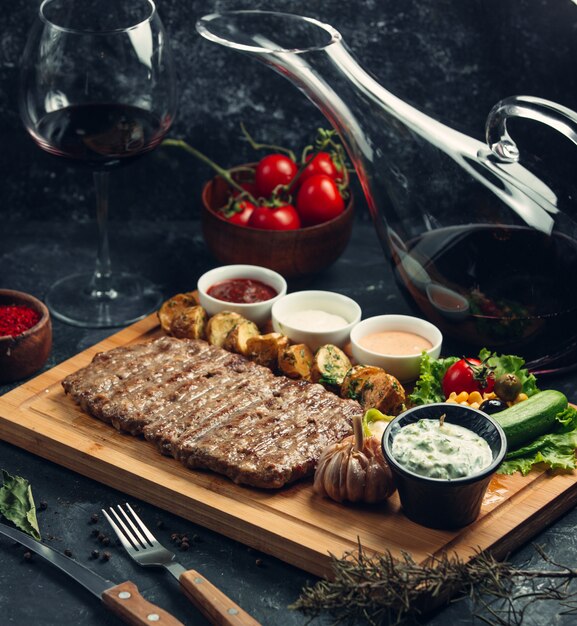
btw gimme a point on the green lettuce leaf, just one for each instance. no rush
(17, 504)
(510, 364)
(556, 449)
(429, 386)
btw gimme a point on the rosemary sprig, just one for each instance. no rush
(382, 589)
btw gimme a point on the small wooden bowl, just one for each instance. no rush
(26, 353)
(292, 253)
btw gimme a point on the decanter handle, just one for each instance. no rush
(498, 139)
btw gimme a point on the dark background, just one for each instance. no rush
(453, 59)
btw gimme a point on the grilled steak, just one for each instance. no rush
(213, 409)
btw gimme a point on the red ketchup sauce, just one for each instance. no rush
(242, 291)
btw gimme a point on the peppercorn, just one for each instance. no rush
(105, 556)
(95, 554)
(68, 552)
(94, 518)
(43, 505)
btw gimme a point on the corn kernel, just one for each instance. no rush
(462, 397)
(475, 397)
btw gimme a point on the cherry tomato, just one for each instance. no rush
(320, 164)
(241, 213)
(319, 200)
(284, 217)
(271, 171)
(468, 375)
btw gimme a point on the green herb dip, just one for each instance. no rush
(449, 451)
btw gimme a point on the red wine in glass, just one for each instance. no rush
(99, 135)
(98, 89)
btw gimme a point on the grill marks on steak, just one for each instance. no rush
(214, 410)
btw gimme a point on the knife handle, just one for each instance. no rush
(213, 603)
(125, 601)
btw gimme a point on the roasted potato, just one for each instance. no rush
(220, 325)
(190, 323)
(237, 338)
(296, 361)
(330, 366)
(174, 306)
(265, 349)
(374, 388)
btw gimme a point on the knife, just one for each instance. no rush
(124, 599)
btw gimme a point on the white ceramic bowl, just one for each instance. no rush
(326, 301)
(406, 367)
(258, 312)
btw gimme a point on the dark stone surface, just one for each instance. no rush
(33, 255)
(452, 59)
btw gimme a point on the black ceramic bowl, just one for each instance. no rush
(445, 503)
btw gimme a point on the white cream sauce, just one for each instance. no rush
(448, 451)
(315, 320)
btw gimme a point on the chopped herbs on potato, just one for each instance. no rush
(237, 338)
(265, 349)
(190, 323)
(175, 306)
(372, 387)
(330, 365)
(220, 325)
(296, 361)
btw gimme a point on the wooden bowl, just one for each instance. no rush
(26, 353)
(292, 253)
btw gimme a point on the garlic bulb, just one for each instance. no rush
(354, 470)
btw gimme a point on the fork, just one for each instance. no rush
(147, 551)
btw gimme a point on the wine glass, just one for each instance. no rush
(98, 89)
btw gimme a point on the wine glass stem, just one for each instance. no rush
(101, 286)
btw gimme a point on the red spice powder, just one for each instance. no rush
(15, 319)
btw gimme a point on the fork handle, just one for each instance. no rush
(126, 602)
(213, 603)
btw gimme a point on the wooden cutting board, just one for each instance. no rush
(292, 524)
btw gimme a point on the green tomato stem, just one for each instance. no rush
(225, 174)
(266, 146)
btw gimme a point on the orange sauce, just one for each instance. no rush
(395, 342)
